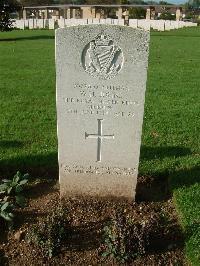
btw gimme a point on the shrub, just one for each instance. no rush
(124, 238)
(11, 195)
(50, 233)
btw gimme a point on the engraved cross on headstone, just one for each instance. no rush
(99, 136)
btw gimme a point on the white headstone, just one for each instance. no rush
(61, 23)
(40, 23)
(161, 25)
(115, 21)
(89, 20)
(144, 24)
(82, 21)
(133, 23)
(26, 23)
(51, 24)
(102, 21)
(14, 23)
(188, 24)
(153, 24)
(68, 22)
(108, 21)
(31, 23)
(20, 24)
(76, 22)
(121, 22)
(95, 21)
(168, 25)
(181, 24)
(101, 82)
(73, 22)
(176, 24)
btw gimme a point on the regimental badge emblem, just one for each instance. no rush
(102, 58)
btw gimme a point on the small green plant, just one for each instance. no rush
(11, 195)
(49, 234)
(124, 239)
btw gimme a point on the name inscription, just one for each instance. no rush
(100, 100)
(98, 170)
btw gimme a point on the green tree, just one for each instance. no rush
(6, 8)
(167, 16)
(194, 4)
(164, 3)
(36, 2)
(137, 13)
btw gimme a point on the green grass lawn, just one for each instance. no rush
(170, 143)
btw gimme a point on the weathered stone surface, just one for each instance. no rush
(40, 23)
(61, 23)
(31, 23)
(144, 24)
(51, 24)
(19, 24)
(101, 79)
(133, 23)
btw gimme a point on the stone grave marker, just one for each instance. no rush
(20, 24)
(133, 23)
(102, 21)
(115, 21)
(108, 21)
(181, 24)
(31, 23)
(101, 82)
(144, 24)
(89, 21)
(68, 22)
(95, 21)
(61, 23)
(14, 24)
(40, 23)
(153, 24)
(174, 24)
(121, 22)
(168, 25)
(51, 24)
(26, 23)
(82, 21)
(161, 25)
(72, 22)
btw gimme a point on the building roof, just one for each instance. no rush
(101, 6)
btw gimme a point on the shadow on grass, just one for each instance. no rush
(174, 35)
(7, 144)
(184, 178)
(28, 38)
(151, 153)
(35, 165)
(159, 187)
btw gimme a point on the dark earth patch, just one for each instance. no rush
(87, 218)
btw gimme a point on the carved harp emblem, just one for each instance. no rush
(102, 58)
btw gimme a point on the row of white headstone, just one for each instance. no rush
(160, 25)
(33, 24)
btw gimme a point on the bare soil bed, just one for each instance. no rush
(87, 218)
